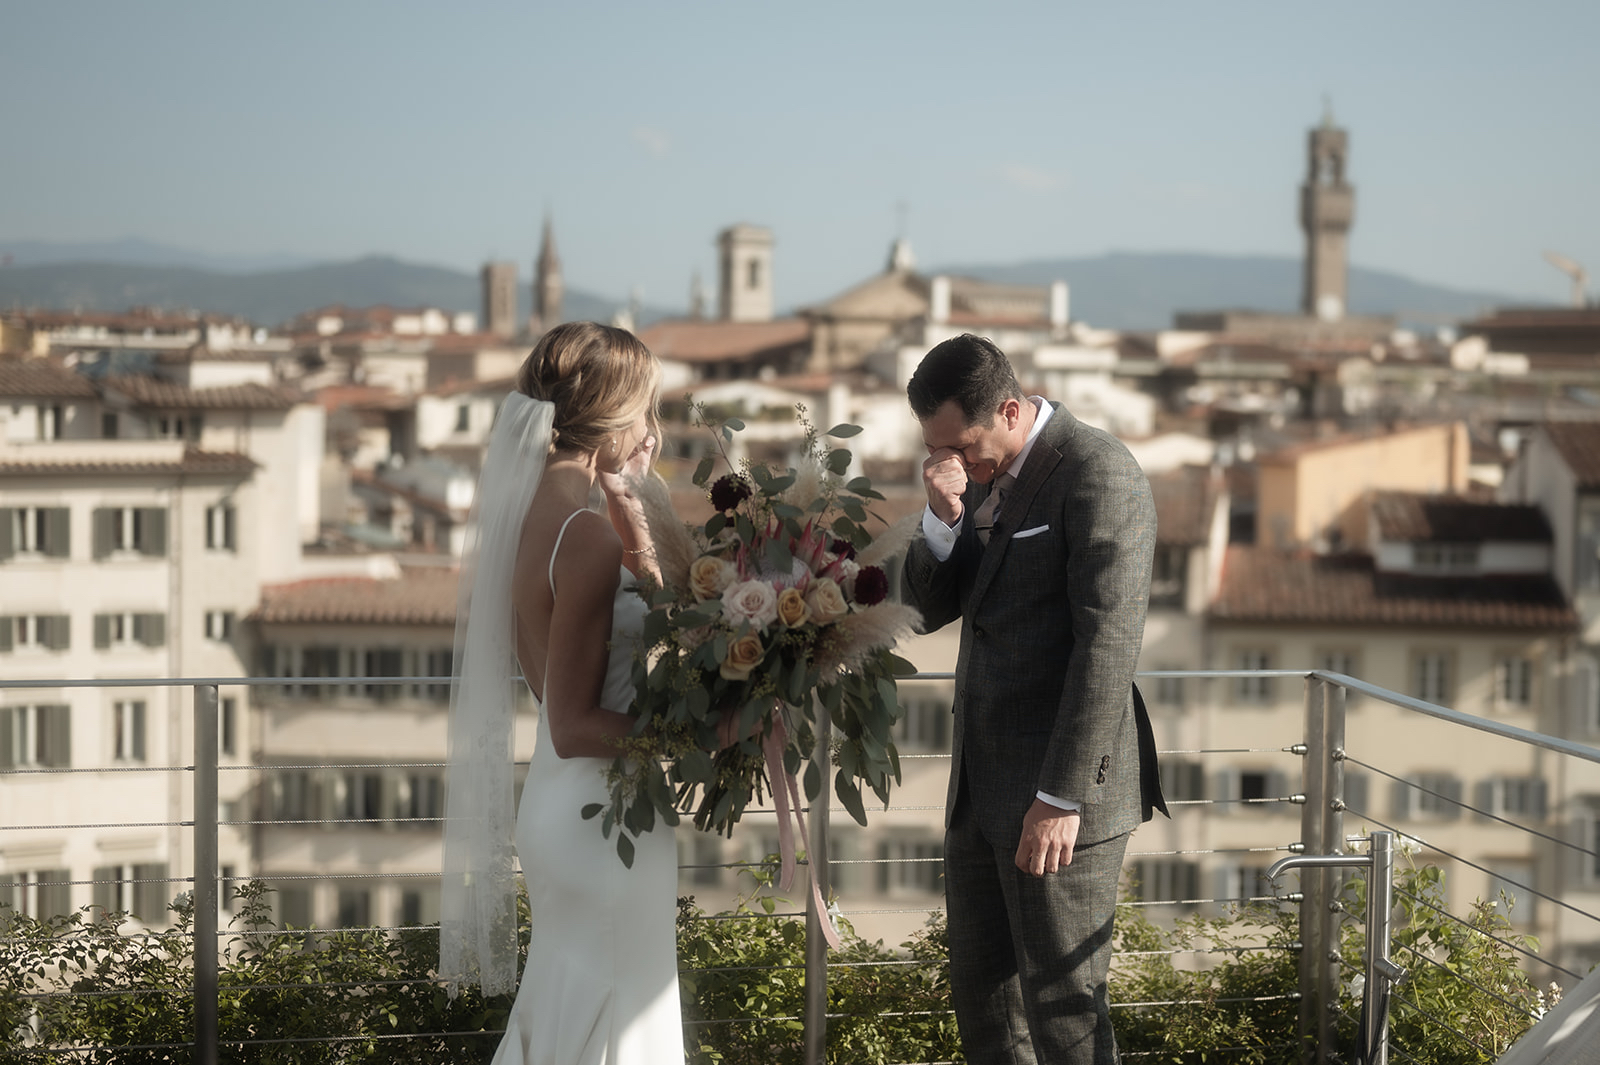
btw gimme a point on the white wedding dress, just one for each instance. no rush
(601, 982)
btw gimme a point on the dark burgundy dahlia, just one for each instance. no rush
(842, 548)
(728, 491)
(872, 586)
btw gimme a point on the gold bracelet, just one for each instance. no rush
(638, 550)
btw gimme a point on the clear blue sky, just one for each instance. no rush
(440, 133)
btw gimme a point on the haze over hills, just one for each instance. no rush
(1119, 290)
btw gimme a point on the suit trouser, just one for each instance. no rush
(1029, 955)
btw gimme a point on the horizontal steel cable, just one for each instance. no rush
(1482, 869)
(58, 770)
(1482, 813)
(1293, 996)
(1397, 995)
(1442, 967)
(1209, 1050)
(1525, 952)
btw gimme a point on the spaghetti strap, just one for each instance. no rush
(556, 550)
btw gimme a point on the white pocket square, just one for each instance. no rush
(1025, 533)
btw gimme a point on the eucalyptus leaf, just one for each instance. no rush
(702, 472)
(625, 849)
(591, 811)
(844, 431)
(839, 460)
(850, 795)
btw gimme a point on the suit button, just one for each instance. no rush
(979, 633)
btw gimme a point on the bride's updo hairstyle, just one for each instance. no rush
(600, 379)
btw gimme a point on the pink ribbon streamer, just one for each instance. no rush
(786, 795)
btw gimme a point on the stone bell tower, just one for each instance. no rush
(744, 274)
(1327, 207)
(548, 287)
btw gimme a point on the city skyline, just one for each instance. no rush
(446, 137)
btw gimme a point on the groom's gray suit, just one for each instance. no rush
(1052, 615)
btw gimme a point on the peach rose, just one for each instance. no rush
(744, 654)
(792, 609)
(751, 603)
(709, 577)
(826, 601)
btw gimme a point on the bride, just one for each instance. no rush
(547, 591)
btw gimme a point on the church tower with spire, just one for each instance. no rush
(1327, 207)
(548, 287)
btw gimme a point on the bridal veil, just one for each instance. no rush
(478, 893)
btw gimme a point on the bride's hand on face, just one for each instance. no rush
(616, 482)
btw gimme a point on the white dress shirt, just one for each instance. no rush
(942, 538)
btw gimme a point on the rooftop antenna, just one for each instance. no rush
(1580, 276)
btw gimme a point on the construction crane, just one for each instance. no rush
(1580, 276)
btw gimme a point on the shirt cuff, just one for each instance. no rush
(1060, 804)
(941, 537)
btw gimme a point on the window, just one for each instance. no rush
(1513, 682)
(1169, 690)
(1168, 573)
(319, 662)
(1251, 790)
(295, 796)
(911, 866)
(39, 893)
(1253, 690)
(1444, 558)
(384, 662)
(1586, 694)
(1515, 797)
(419, 906)
(34, 531)
(1165, 880)
(924, 725)
(108, 425)
(228, 726)
(753, 274)
(141, 530)
(358, 797)
(220, 523)
(1182, 780)
(463, 417)
(355, 908)
(141, 890)
(219, 625)
(129, 630)
(422, 796)
(178, 427)
(439, 664)
(1341, 660)
(1431, 676)
(1357, 793)
(227, 887)
(38, 632)
(1514, 879)
(128, 721)
(51, 421)
(36, 736)
(1244, 883)
(702, 861)
(294, 905)
(1588, 546)
(1428, 796)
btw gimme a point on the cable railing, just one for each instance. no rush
(1164, 878)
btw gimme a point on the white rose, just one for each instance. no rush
(826, 601)
(750, 602)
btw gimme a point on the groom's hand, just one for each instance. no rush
(944, 477)
(1048, 835)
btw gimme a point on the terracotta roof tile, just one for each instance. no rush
(692, 340)
(1184, 500)
(193, 462)
(42, 379)
(1579, 445)
(362, 397)
(502, 385)
(1415, 517)
(418, 597)
(153, 392)
(1264, 586)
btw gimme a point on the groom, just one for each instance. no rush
(1038, 536)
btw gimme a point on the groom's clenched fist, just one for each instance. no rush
(944, 477)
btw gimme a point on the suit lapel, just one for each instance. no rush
(1042, 461)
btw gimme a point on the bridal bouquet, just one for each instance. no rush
(776, 605)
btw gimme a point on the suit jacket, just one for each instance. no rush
(1052, 616)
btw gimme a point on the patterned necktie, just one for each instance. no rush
(989, 510)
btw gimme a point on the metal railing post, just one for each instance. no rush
(1382, 973)
(204, 895)
(816, 1013)
(1317, 978)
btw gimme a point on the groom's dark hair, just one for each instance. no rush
(968, 369)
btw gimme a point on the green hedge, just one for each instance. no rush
(1206, 990)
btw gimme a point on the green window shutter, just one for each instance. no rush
(57, 634)
(8, 628)
(102, 631)
(104, 520)
(151, 892)
(138, 731)
(153, 531)
(229, 540)
(55, 736)
(150, 629)
(8, 522)
(58, 532)
(55, 893)
(105, 879)
(8, 733)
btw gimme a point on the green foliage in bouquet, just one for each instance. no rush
(773, 609)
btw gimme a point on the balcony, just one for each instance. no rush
(1234, 964)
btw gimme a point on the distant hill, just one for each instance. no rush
(1135, 290)
(142, 252)
(268, 297)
